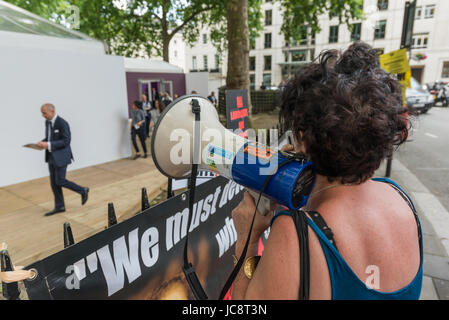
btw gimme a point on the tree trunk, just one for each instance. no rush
(165, 35)
(165, 48)
(238, 45)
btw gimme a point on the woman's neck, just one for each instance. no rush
(324, 190)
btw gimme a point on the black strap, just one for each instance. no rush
(322, 225)
(300, 219)
(188, 269)
(302, 228)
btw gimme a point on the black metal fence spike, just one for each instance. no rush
(112, 218)
(10, 291)
(170, 193)
(145, 202)
(68, 236)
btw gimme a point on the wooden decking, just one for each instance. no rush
(32, 236)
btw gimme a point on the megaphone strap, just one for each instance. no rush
(188, 269)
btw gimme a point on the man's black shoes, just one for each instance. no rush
(55, 211)
(85, 196)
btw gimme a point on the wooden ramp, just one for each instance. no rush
(31, 236)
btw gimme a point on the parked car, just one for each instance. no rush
(418, 98)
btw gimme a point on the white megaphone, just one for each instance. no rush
(189, 132)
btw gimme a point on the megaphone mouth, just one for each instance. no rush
(156, 128)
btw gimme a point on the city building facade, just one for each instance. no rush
(273, 59)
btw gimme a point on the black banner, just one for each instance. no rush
(141, 258)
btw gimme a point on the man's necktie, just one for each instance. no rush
(50, 129)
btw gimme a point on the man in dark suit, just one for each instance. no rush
(58, 155)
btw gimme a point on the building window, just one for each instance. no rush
(418, 13)
(267, 63)
(356, 32)
(445, 73)
(252, 82)
(312, 38)
(204, 38)
(267, 40)
(382, 5)
(303, 33)
(430, 12)
(252, 43)
(379, 32)
(267, 80)
(217, 61)
(333, 34)
(205, 63)
(420, 41)
(312, 54)
(268, 17)
(252, 63)
(194, 63)
(299, 55)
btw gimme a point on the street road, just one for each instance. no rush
(427, 153)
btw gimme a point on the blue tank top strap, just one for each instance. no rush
(279, 214)
(400, 191)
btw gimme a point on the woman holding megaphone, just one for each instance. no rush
(357, 237)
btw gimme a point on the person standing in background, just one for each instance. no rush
(166, 99)
(154, 95)
(58, 155)
(212, 98)
(155, 114)
(138, 129)
(146, 106)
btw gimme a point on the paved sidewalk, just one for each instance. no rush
(31, 236)
(435, 225)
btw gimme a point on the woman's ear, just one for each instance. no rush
(299, 145)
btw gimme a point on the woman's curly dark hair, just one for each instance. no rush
(350, 113)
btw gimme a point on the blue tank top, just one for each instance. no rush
(345, 283)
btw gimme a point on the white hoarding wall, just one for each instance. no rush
(199, 82)
(88, 90)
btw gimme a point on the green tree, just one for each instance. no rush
(132, 27)
(45, 9)
(146, 27)
(300, 13)
(296, 14)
